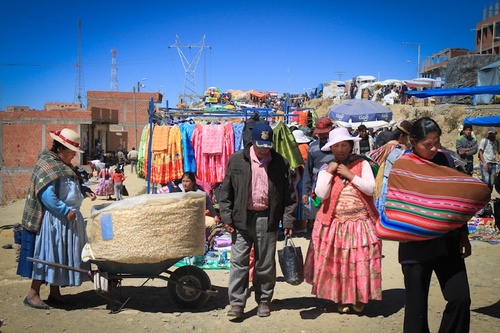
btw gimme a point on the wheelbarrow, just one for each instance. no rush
(188, 286)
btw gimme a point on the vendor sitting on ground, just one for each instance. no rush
(188, 184)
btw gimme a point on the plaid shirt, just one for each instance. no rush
(48, 168)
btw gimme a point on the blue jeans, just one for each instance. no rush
(489, 177)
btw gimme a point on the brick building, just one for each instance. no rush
(488, 32)
(435, 65)
(113, 118)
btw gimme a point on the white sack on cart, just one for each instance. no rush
(149, 228)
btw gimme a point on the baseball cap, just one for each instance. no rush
(492, 130)
(262, 135)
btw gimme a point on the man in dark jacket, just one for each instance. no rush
(257, 193)
(467, 148)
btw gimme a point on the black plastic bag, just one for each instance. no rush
(291, 262)
(124, 191)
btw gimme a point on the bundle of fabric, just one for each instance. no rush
(425, 200)
(149, 228)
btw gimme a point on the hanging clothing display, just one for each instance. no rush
(285, 144)
(212, 139)
(143, 153)
(303, 117)
(187, 147)
(167, 161)
(203, 149)
(212, 167)
(238, 135)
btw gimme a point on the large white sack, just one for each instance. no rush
(149, 228)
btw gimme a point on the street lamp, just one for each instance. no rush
(135, 117)
(141, 85)
(418, 55)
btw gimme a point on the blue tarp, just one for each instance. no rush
(492, 90)
(487, 76)
(493, 121)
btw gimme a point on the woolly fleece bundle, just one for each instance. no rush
(149, 228)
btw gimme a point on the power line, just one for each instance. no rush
(190, 66)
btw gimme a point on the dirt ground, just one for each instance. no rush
(294, 309)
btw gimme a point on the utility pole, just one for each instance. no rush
(418, 55)
(340, 73)
(139, 86)
(114, 71)
(79, 85)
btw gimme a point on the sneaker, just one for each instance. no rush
(343, 308)
(235, 311)
(263, 309)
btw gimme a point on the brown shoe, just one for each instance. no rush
(358, 308)
(235, 311)
(263, 309)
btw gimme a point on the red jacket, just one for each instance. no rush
(118, 177)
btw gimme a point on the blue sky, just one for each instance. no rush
(286, 46)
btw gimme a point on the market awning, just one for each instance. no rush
(493, 90)
(493, 121)
(257, 94)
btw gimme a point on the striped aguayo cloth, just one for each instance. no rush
(426, 200)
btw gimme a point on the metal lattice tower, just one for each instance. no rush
(190, 67)
(79, 84)
(114, 71)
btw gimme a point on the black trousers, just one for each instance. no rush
(469, 168)
(452, 277)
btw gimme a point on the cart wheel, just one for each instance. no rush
(190, 276)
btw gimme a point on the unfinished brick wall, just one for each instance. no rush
(23, 136)
(129, 105)
(24, 133)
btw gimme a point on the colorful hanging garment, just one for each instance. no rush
(212, 139)
(187, 147)
(174, 160)
(303, 117)
(160, 134)
(238, 135)
(167, 164)
(285, 144)
(159, 157)
(211, 167)
(143, 152)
